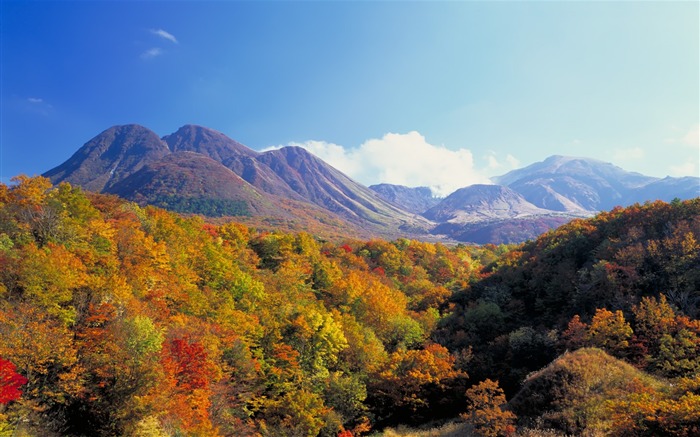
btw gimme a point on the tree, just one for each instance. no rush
(48, 276)
(10, 382)
(610, 331)
(485, 412)
(653, 319)
(189, 372)
(401, 387)
(673, 341)
(574, 337)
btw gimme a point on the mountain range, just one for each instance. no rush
(200, 170)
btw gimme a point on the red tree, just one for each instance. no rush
(188, 363)
(10, 382)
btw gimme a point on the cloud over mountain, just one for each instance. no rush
(402, 159)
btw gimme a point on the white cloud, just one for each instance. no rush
(512, 162)
(152, 53)
(494, 164)
(37, 105)
(164, 34)
(632, 153)
(686, 169)
(402, 159)
(333, 154)
(692, 138)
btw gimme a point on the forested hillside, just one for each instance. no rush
(613, 262)
(122, 320)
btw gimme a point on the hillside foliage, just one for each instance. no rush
(122, 320)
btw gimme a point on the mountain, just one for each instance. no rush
(482, 202)
(208, 142)
(232, 154)
(110, 157)
(323, 185)
(416, 200)
(187, 181)
(580, 167)
(296, 174)
(200, 170)
(492, 214)
(576, 185)
(133, 162)
(667, 189)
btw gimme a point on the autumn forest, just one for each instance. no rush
(122, 320)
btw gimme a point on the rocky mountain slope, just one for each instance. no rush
(416, 200)
(492, 213)
(482, 202)
(569, 184)
(318, 182)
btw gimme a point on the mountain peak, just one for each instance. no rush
(112, 155)
(572, 184)
(195, 129)
(208, 142)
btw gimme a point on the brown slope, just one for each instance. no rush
(570, 394)
(190, 182)
(187, 175)
(110, 157)
(232, 154)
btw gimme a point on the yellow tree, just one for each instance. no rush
(485, 410)
(402, 383)
(610, 331)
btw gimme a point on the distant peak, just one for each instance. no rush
(562, 159)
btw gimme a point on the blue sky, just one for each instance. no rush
(439, 93)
